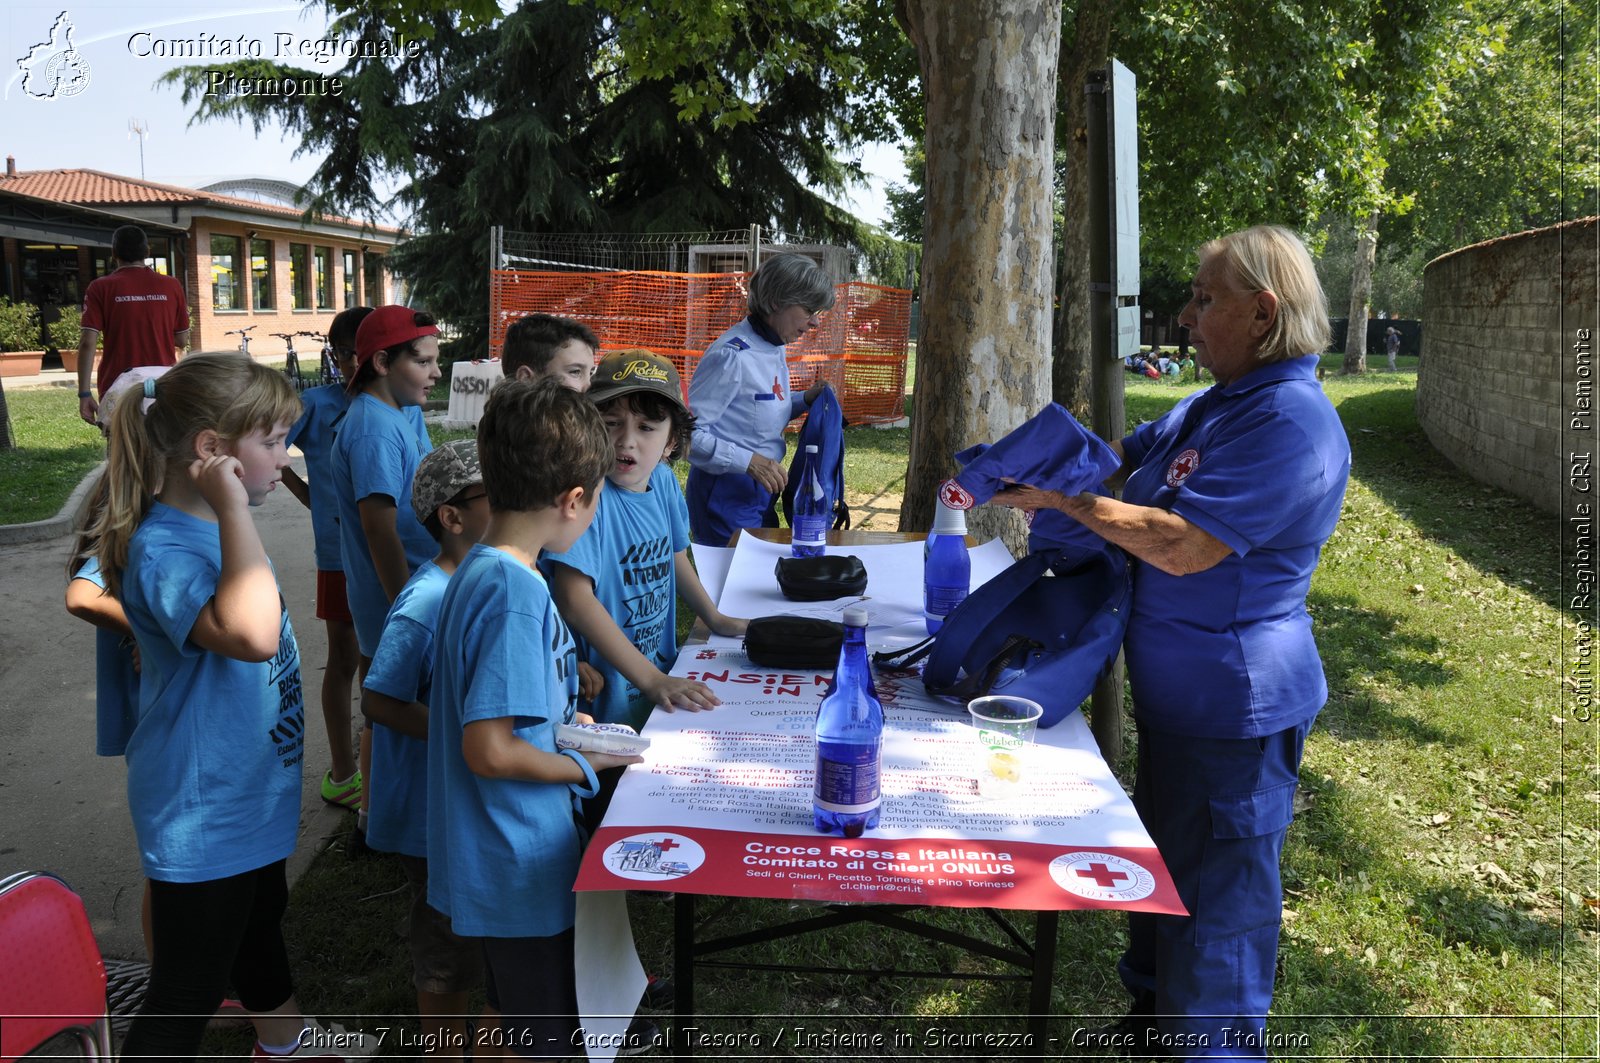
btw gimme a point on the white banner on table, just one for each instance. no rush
(711, 565)
(894, 586)
(722, 805)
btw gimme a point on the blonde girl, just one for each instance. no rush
(215, 754)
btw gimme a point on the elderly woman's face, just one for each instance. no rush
(792, 322)
(1226, 325)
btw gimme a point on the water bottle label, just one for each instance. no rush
(942, 601)
(810, 530)
(847, 786)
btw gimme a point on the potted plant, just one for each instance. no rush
(21, 354)
(65, 332)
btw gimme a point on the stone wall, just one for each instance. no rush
(1504, 389)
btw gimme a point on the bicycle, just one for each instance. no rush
(328, 373)
(243, 332)
(291, 360)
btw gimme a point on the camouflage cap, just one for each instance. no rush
(445, 472)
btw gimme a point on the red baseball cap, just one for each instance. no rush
(388, 326)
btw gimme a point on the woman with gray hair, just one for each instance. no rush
(741, 401)
(1227, 500)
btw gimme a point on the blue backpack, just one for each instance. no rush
(1045, 629)
(823, 428)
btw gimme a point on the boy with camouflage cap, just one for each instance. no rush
(448, 499)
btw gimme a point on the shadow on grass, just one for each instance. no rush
(1494, 531)
(1356, 642)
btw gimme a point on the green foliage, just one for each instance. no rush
(568, 117)
(67, 329)
(19, 326)
(54, 451)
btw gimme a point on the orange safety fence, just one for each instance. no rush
(859, 348)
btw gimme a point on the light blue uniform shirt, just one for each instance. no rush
(403, 669)
(1261, 464)
(214, 761)
(116, 680)
(628, 553)
(741, 401)
(376, 452)
(502, 853)
(313, 433)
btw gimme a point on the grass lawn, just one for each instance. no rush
(54, 451)
(1440, 879)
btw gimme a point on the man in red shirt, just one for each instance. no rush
(143, 315)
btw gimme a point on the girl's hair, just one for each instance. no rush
(228, 393)
(93, 506)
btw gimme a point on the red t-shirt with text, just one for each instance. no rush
(139, 313)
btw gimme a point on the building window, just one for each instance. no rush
(349, 279)
(225, 294)
(373, 275)
(299, 276)
(261, 274)
(161, 254)
(324, 260)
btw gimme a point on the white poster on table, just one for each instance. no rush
(722, 805)
(893, 596)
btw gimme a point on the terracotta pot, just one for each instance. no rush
(69, 359)
(21, 363)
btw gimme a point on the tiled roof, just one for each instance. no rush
(94, 188)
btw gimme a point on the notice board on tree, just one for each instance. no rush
(722, 806)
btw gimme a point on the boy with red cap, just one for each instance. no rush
(375, 456)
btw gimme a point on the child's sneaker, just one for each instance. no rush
(659, 993)
(345, 794)
(641, 1036)
(328, 1044)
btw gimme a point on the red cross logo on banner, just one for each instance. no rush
(666, 845)
(1182, 467)
(1102, 875)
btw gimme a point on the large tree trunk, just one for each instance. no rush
(1090, 49)
(983, 351)
(1355, 336)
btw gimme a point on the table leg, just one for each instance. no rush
(683, 972)
(1045, 926)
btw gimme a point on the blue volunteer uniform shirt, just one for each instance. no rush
(502, 853)
(1261, 464)
(214, 761)
(376, 451)
(628, 553)
(313, 433)
(741, 400)
(116, 681)
(403, 669)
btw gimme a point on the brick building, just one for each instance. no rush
(243, 251)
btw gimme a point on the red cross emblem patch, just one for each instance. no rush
(1182, 467)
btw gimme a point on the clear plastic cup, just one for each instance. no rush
(1004, 727)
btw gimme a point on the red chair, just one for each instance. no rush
(52, 980)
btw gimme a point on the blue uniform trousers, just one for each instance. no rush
(1218, 810)
(721, 505)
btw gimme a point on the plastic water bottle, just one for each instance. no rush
(848, 795)
(810, 530)
(946, 566)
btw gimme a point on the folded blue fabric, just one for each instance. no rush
(1052, 451)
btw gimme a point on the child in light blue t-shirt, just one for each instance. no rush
(503, 843)
(448, 497)
(314, 433)
(618, 584)
(214, 759)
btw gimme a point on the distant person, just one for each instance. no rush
(740, 398)
(142, 315)
(543, 345)
(1391, 345)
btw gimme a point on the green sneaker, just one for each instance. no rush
(345, 794)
